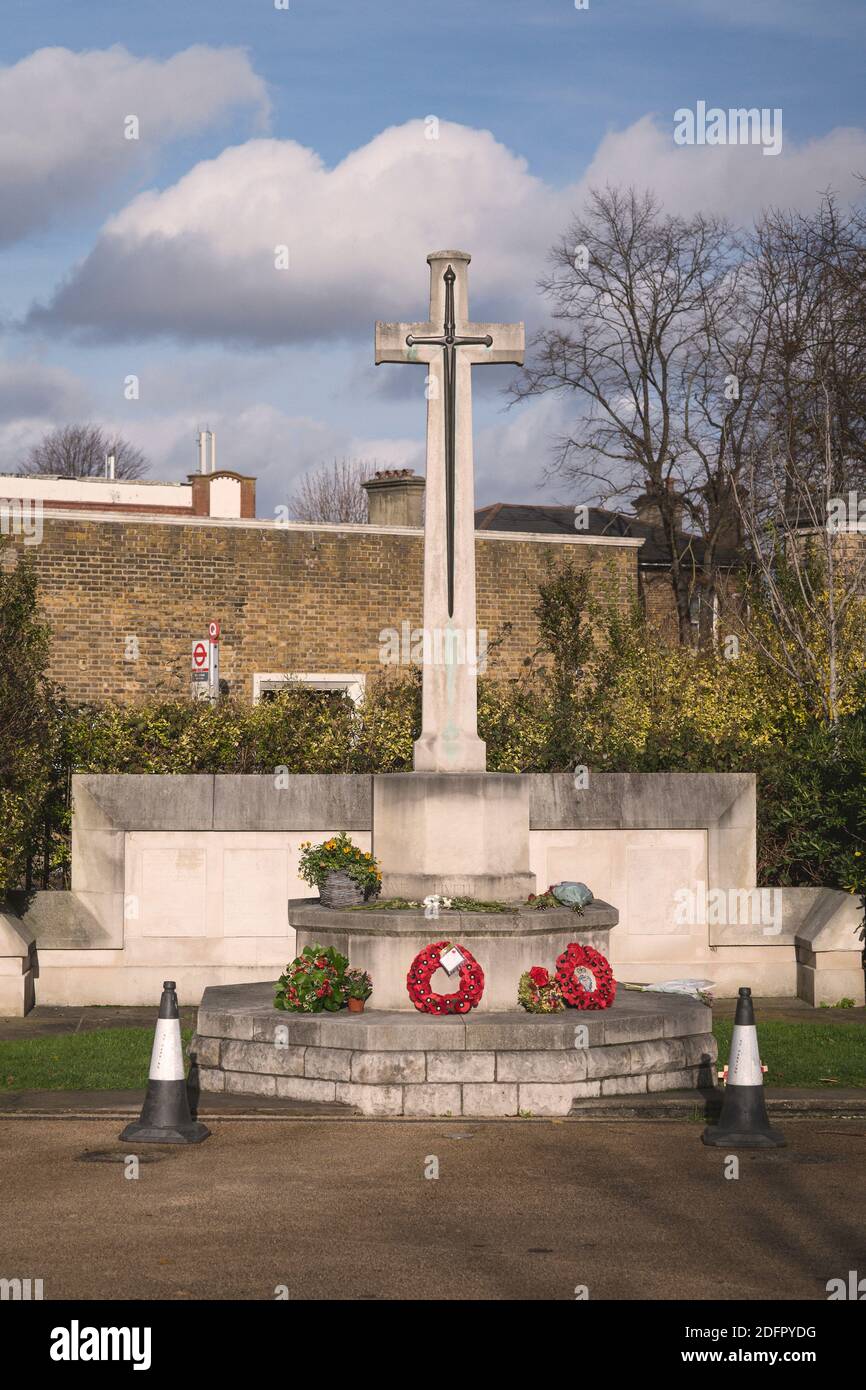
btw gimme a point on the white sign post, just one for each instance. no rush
(200, 671)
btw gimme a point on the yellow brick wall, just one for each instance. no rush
(287, 600)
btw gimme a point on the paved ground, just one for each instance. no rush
(48, 1019)
(521, 1209)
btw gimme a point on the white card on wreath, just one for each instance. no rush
(452, 960)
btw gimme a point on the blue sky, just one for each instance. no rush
(145, 257)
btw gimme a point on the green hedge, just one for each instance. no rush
(811, 779)
(29, 775)
(608, 694)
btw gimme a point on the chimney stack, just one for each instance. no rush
(647, 507)
(395, 497)
(206, 447)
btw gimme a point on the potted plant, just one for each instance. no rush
(357, 987)
(344, 874)
(314, 981)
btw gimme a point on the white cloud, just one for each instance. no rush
(275, 447)
(196, 261)
(34, 398)
(389, 453)
(31, 390)
(62, 120)
(734, 180)
(512, 454)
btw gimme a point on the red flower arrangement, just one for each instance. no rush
(424, 967)
(585, 978)
(538, 992)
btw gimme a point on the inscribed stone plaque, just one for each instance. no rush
(173, 884)
(255, 892)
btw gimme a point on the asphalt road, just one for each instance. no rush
(520, 1209)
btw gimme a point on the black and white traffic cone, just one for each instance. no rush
(743, 1122)
(165, 1116)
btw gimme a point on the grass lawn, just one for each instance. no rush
(805, 1054)
(107, 1059)
(117, 1059)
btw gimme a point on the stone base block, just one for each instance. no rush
(418, 1066)
(17, 993)
(824, 984)
(464, 834)
(17, 962)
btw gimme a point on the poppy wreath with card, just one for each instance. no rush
(424, 967)
(585, 978)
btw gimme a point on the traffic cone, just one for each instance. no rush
(165, 1116)
(743, 1122)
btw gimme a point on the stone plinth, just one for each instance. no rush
(477, 1065)
(17, 962)
(455, 834)
(504, 944)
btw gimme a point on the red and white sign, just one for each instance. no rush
(200, 660)
(213, 631)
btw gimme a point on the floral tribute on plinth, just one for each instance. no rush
(585, 978)
(313, 982)
(320, 979)
(539, 993)
(424, 967)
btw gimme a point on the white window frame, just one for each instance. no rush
(352, 684)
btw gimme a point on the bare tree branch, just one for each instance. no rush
(333, 492)
(79, 451)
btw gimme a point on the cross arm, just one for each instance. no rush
(391, 345)
(509, 342)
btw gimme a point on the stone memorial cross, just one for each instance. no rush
(449, 346)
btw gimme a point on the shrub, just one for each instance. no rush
(607, 693)
(28, 723)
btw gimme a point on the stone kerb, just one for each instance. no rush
(479, 1065)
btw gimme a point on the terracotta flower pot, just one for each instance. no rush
(356, 1006)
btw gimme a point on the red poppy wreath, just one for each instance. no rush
(585, 978)
(424, 967)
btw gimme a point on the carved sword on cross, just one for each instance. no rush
(449, 342)
(424, 343)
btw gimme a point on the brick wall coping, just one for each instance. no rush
(263, 524)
